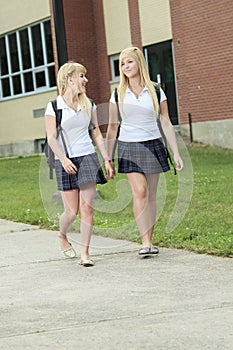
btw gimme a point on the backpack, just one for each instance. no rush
(47, 149)
(157, 89)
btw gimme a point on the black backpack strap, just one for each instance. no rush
(91, 125)
(58, 113)
(157, 89)
(118, 109)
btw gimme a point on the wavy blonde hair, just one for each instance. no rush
(67, 70)
(136, 54)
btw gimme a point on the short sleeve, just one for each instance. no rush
(49, 110)
(94, 107)
(163, 97)
(112, 99)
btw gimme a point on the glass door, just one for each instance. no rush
(160, 63)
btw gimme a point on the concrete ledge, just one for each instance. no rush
(214, 133)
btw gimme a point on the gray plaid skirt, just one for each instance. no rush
(89, 171)
(146, 157)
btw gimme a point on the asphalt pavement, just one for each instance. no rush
(177, 300)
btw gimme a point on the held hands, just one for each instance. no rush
(109, 169)
(69, 167)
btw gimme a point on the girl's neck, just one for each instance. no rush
(135, 86)
(70, 100)
(135, 83)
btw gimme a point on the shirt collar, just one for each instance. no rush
(62, 105)
(144, 89)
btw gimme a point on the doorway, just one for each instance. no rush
(160, 63)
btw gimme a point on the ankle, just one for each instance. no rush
(62, 235)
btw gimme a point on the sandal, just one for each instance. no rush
(144, 251)
(69, 252)
(154, 250)
(86, 262)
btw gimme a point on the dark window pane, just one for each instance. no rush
(37, 46)
(6, 87)
(24, 42)
(48, 42)
(13, 53)
(3, 57)
(40, 79)
(28, 82)
(153, 65)
(168, 65)
(52, 79)
(17, 85)
(116, 68)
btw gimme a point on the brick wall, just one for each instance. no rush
(203, 49)
(135, 28)
(86, 44)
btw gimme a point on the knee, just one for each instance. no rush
(86, 209)
(70, 215)
(141, 192)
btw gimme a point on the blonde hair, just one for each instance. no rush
(136, 54)
(67, 70)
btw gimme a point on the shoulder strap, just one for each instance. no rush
(116, 99)
(157, 89)
(58, 113)
(92, 102)
(116, 95)
(91, 125)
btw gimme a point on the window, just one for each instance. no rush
(114, 64)
(26, 61)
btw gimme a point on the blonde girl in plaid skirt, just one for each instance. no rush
(77, 169)
(141, 153)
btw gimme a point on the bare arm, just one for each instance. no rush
(99, 142)
(112, 129)
(170, 134)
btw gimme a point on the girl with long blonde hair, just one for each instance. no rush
(77, 166)
(141, 153)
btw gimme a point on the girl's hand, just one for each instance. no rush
(69, 167)
(109, 169)
(179, 162)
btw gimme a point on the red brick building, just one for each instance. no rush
(203, 50)
(188, 47)
(202, 41)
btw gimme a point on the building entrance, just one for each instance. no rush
(160, 63)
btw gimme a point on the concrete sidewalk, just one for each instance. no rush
(178, 300)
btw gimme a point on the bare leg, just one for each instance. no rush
(71, 204)
(87, 195)
(144, 203)
(152, 180)
(139, 187)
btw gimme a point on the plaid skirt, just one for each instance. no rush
(146, 157)
(89, 171)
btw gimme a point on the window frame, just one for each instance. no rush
(113, 58)
(33, 70)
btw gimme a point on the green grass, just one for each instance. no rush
(201, 223)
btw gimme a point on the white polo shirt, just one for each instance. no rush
(75, 129)
(138, 119)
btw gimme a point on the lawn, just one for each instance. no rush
(194, 208)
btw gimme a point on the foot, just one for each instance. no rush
(86, 262)
(144, 251)
(66, 246)
(154, 250)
